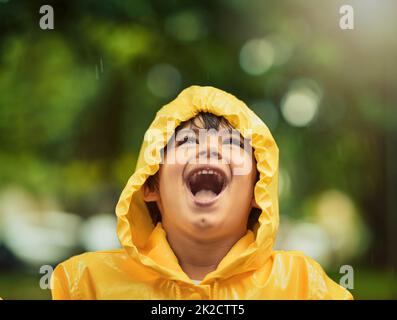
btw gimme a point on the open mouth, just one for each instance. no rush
(206, 184)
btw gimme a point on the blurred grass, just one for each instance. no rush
(368, 284)
(22, 286)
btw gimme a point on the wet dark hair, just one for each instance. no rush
(206, 121)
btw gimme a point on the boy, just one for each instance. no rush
(198, 218)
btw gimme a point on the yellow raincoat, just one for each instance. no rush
(147, 268)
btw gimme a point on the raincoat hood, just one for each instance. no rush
(146, 243)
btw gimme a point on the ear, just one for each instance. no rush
(253, 203)
(150, 195)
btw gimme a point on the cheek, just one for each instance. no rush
(243, 188)
(241, 162)
(181, 155)
(170, 182)
(169, 171)
(244, 174)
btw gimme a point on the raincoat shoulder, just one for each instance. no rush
(300, 272)
(100, 275)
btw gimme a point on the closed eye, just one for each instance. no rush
(233, 141)
(187, 140)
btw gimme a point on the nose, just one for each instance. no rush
(210, 149)
(211, 153)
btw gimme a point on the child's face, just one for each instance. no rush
(206, 182)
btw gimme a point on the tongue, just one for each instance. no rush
(205, 195)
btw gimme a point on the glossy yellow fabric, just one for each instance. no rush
(146, 267)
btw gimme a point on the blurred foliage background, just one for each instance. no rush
(75, 103)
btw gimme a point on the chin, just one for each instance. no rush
(205, 223)
(205, 226)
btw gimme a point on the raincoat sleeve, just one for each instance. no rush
(323, 287)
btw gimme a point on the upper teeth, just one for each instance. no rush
(209, 171)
